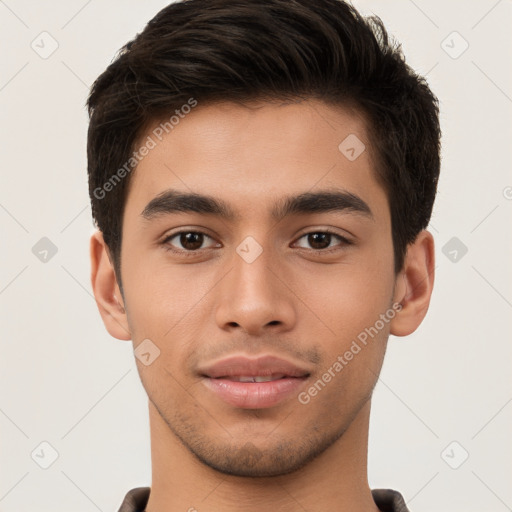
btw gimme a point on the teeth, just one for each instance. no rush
(265, 379)
(244, 379)
(259, 378)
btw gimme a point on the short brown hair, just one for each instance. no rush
(243, 50)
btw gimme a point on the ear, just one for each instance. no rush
(414, 284)
(106, 290)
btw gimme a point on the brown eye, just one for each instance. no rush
(191, 241)
(188, 240)
(321, 240)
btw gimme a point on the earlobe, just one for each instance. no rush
(414, 284)
(106, 289)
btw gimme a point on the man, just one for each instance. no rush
(261, 174)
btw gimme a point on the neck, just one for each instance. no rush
(336, 480)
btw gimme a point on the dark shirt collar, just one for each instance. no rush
(387, 500)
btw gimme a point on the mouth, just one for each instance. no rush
(250, 383)
(255, 391)
(256, 378)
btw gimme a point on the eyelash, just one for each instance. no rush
(182, 252)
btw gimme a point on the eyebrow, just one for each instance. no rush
(173, 201)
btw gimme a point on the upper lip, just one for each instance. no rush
(236, 366)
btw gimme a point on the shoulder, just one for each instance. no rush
(135, 500)
(389, 500)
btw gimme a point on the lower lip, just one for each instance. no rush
(254, 395)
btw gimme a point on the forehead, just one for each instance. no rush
(247, 154)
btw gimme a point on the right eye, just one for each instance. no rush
(190, 241)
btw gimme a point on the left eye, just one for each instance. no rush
(321, 240)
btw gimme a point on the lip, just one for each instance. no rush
(261, 366)
(253, 395)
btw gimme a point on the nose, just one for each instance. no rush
(254, 296)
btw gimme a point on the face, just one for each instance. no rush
(301, 280)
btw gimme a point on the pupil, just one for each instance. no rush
(316, 239)
(195, 239)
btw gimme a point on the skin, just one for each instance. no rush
(292, 301)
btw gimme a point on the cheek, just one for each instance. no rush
(354, 346)
(345, 299)
(159, 295)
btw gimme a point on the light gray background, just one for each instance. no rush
(65, 381)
